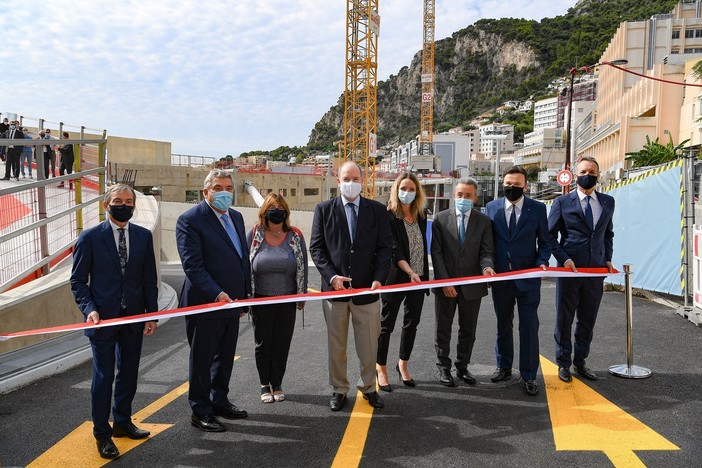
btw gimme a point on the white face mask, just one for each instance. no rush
(350, 190)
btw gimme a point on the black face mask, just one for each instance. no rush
(121, 213)
(587, 181)
(513, 193)
(276, 216)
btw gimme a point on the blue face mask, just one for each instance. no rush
(222, 200)
(406, 197)
(464, 205)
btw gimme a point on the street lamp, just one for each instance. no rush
(569, 138)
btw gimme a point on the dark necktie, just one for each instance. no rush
(352, 217)
(512, 220)
(122, 251)
(232, 234)
(462, 230)
(588, 213)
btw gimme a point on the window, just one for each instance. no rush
(676, 34)
(192, 196)
(293, 192)
(308, 192)
(283, 192)
(698, 32)
(689, 33)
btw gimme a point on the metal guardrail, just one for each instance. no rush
(41, 220)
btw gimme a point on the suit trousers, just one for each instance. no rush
(366, 329)
(49, 158)
(273, 331)
(413, 300)
(12, 168)
(66, 166)
(504, 296)
(212, 348)
(576, 298)
(445, 310)
(122, 350)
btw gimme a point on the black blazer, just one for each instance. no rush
(401, 251)
(210, 260)
(364, 261)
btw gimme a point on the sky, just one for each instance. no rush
(213, 77)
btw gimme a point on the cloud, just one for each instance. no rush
(214, 77)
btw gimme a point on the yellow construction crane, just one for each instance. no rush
(360, 94)
(426, 133)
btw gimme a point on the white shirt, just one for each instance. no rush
(594, 204)
(465, 220)
(509, 207)
(115, 233)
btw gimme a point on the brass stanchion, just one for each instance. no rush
(629, 370)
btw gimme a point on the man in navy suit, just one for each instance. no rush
(351, 245)
(114, 275)
(522, 241)
(212, 246)
(583, 219)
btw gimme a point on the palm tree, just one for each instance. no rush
(654, 153)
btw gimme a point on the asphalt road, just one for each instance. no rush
(430, 425)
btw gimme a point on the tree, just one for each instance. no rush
(654, 153)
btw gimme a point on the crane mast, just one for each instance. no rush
(360, 92)
(426, 137)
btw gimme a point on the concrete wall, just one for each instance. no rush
(48, 302)
(170, 212)
(122, 150)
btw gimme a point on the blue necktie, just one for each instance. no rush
(232, 234)
(513, 220)
(588, 213)
(352, 217)
(462, 230)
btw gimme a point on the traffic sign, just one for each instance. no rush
(564, 178)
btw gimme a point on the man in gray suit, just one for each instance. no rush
(461, 245)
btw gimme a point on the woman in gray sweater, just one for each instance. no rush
(279, 267)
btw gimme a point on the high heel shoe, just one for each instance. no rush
(385, 388)
(408, 383)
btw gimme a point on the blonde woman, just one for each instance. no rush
(409, 263)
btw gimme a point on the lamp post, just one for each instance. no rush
(499, 137)
(570, 140)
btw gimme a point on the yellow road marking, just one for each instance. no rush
(584, 420)
(312, 290)
(78, 448)
(354, 440)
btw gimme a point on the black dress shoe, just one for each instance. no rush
(531, 387)
(445, 377)
(466, 376)
(207, 423)
(501, 374)
(107, 448)
(564, 374)
(408, 383)
(585, 372)
(129, 430)
(229, 411)
(374, 399)
(337, 402)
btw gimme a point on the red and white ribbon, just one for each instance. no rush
(551, 272)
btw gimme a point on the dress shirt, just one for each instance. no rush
(465, 220)
(508, 209)
(115, 234)
(594, 205)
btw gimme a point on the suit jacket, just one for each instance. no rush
(210, 260)
(365, 260)
(586, 247)
(401, 251)
(529, 247)
(16, 149)
(97, 282)
(453, 261)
